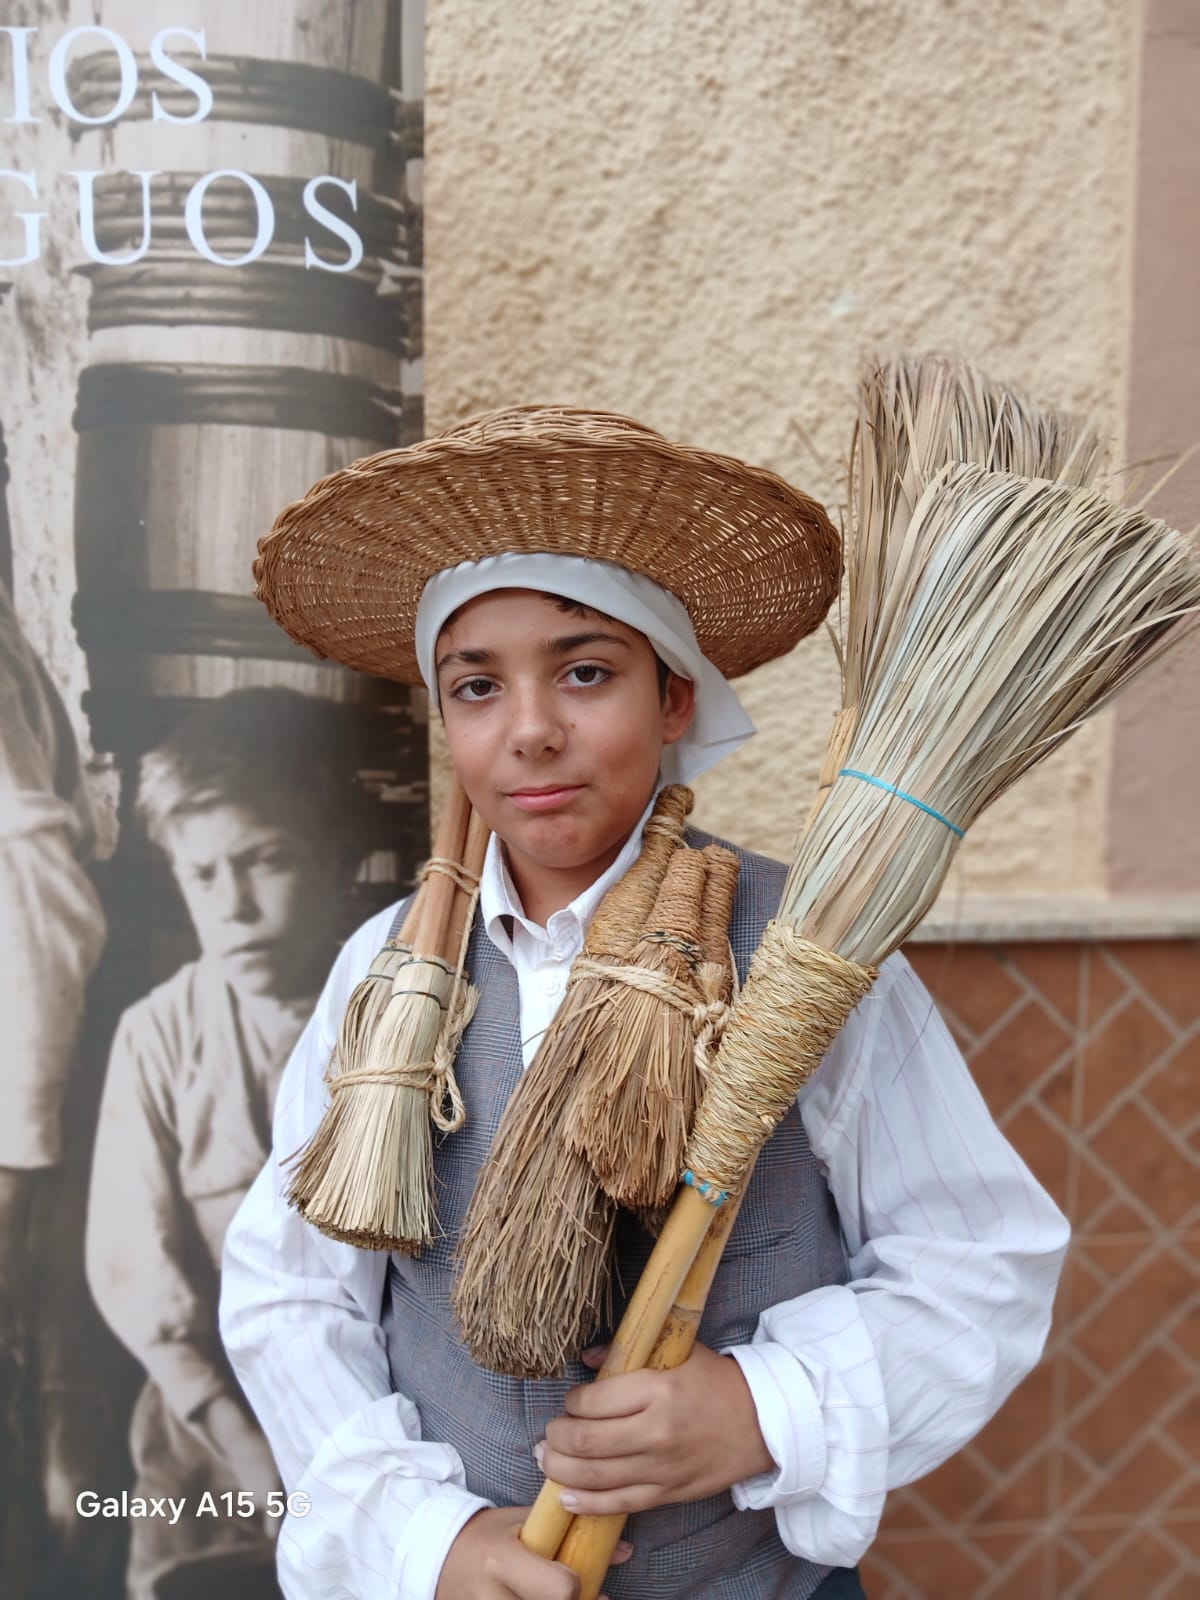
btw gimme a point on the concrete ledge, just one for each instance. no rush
(1003, 920)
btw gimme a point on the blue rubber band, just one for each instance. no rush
(706, 1190)
(865, 777)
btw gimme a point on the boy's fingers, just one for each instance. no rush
(595, 1356)
(598, 1476)
(615, 1397)
(626, 1499)
(585, 1439)
(622, 1552)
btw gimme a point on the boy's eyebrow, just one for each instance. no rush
(548, 647)
(576, 641)
(469, 658)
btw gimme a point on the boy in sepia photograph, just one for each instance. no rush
(253, 800)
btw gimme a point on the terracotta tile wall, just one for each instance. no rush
(1087, 1485)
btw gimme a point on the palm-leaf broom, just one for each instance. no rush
(1022, 607)
(366, 1176)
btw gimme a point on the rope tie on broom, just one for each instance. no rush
(795, 1002)
(708, 1016)
(468, 882)
(435, 1075)
(880, 783)
(464, 997)
(713, 1016)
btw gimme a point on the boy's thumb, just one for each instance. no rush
(595, 1356)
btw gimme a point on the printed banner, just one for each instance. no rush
(210, 298)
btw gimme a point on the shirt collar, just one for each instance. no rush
(564, 933)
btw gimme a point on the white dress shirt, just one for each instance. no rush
(954, 1253)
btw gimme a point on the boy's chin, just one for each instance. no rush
(257, 973)
(567, 846)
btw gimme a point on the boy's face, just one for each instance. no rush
(255, 893)
(556, 725)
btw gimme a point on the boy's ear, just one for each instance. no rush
(679, 707)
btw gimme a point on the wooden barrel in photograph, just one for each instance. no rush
(216, 394)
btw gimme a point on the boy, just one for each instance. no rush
(573, 591)
(248, 798)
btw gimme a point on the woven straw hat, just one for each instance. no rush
(756, 563)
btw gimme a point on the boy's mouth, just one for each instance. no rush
(544, 799)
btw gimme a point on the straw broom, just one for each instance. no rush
(366, 1176)
(533, 1258)
(633, 1106)
(1023, 608)
(917, 415)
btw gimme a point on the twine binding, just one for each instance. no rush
(796, 1000)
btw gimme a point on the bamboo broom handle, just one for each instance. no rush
(435, 898)
(778, 1035)
(658, 1288)
(474, 850)
(587, 1546)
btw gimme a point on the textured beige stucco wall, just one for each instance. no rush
(703, 214)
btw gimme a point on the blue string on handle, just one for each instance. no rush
(865, 777)
(706, 1189)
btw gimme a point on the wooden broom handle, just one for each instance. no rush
(436, 896)
(649, 1306)
(474, 850)
(588, 1544)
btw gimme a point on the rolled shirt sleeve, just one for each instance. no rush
(954, 1255)
(300, 1318)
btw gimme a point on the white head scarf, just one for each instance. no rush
(720, 722)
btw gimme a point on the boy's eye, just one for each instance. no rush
(473, 689)
(589, 673)
(276, 859)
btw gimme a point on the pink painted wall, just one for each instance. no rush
(1154, 842)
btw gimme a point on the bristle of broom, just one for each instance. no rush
(366, 1175)
(367, 1005)
(1019, 609)
(633, 1104)
(309, 1166)
(533, 1257)
(918, 415)
(343, 1197)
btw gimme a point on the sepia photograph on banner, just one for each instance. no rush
(210, 298)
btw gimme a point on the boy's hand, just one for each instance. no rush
(645, 1439)
(488, 1562)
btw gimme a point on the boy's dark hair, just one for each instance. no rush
(286, 757)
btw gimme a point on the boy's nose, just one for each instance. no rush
(235, 897)
(534, 727)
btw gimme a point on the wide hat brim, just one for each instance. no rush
(756, 563)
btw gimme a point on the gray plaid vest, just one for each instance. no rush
(785, 1242)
